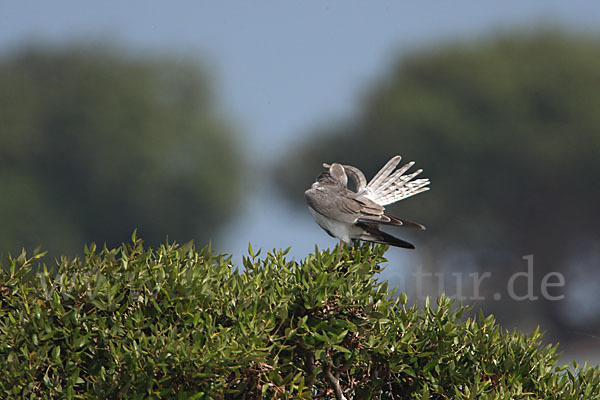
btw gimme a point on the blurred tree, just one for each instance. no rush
(94, 144)
(508, 130)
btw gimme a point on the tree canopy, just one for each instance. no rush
(95, 143)
(508, 130)
(177, 322)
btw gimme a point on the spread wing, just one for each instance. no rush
(389, 186)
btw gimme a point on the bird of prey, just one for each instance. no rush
(356, 215)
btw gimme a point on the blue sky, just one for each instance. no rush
(281, 68)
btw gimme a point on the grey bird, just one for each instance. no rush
(356, 215)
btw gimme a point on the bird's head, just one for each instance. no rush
(338, 172)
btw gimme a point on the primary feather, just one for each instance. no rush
(389, 186)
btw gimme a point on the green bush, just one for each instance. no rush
(180, 323)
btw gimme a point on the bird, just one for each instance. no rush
(357, 214)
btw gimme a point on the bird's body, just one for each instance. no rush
(342, 230)
(356, 215)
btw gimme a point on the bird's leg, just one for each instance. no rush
(340, 248)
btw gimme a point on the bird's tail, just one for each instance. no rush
(389, 186)
(372, 234)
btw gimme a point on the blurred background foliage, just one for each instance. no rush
(95, 143)
(508, 130)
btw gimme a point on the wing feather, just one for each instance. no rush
(390, 186)
(383, 173)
